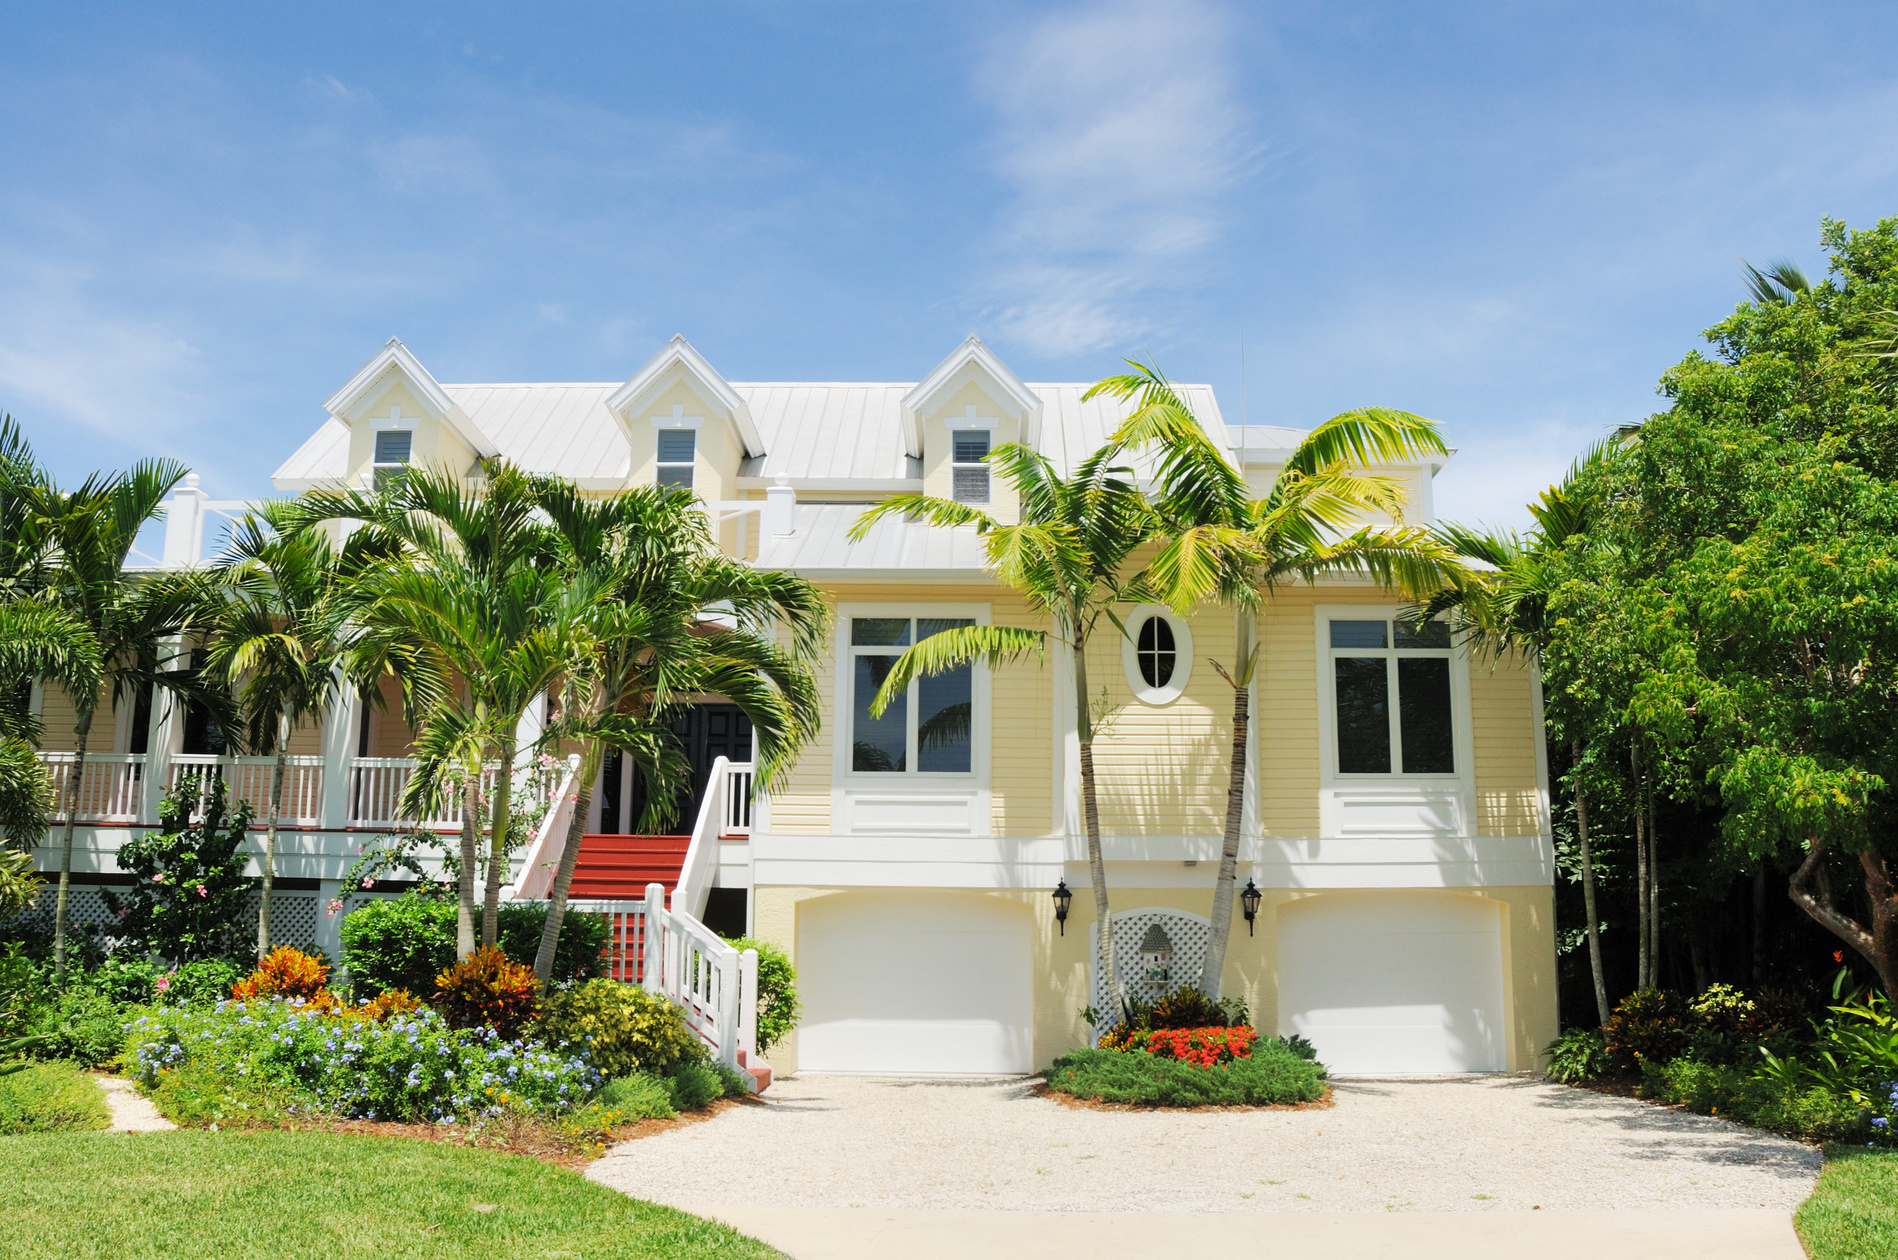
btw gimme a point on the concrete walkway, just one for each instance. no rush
(131, 1111)
(873, 1234)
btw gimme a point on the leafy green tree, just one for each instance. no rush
(1221, 543)
(188, 877)
(276, 644)
(677, 619)
(1070, 557)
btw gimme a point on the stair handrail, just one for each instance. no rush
(690, 965)
(535, 882)
(701, 855)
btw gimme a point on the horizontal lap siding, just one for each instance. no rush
(1502, 715)
(800, 802)
(1285, 724)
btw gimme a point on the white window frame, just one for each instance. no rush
(965, 424)
(1182, 654)
(394, 421)
(1395, 803)
(677, 420)
(936, 802)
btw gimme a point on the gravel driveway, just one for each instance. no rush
(1464, 1143)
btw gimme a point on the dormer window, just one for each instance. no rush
(968, 467)
(393, 447)
(677, 449)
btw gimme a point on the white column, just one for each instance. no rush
(184, 524)
(340, 731)
(166, 735)
(329, 927)
(780, 510)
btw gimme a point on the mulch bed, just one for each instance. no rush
(1089, 1104)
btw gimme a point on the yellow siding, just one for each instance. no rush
(1285, 724)
(1502, 714)
(1163, 769)
(306, 739)
(59, 716)
(938, 447)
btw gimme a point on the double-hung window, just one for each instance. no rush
(677, 449)
(968, 466)
(1391, 686)
(391, 463)
(928, 728)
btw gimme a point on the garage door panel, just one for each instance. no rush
(1391, 982)
(904, 982)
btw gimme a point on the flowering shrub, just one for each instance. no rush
(187, 899)
(1650, 1024)
(1185, 1007)
(410, 1066)
(624, 1028)
(289, 973)
(486, 989)
(1202, 1047)
(1272, 1073)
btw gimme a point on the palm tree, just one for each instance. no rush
(658, 635)
(276, 644)
(1069, 558)
(76, 544)
(471, 613)
(38, 639)
(1506, 609)
(1225, 545)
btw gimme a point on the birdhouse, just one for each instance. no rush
(1156, 957)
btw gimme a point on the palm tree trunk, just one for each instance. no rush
(1091, 816)
(270, 840)
(1654, 884)
(1643, 967)
(464, 886)
(1211, 980)
(569, 858)
(1588, 889)
(82, 733)
(497, 846)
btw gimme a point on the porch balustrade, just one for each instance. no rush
(248, 780)
(109, 791)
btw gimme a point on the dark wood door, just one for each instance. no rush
(705, 733)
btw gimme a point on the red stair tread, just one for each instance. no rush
(615, 867)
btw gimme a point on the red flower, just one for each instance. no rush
(1838, 955)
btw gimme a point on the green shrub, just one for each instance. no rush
(641, 1096)
(621, 1028)
(50, 1098)
(405, 942)
(692, 1085)
(1730, 1029)
(778, 1007)
(188, 897)
(80, 1024)
(1650, 1024)
(1578, 1055)
(1273, 1074)
(127, 980)
(1810, 1112)
(201, 984)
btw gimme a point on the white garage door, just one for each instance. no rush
(915, 984)
(1394, 982)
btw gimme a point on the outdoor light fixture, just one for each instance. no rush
(1250, 899)
(1062, 897)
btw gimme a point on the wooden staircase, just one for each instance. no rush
(618, 868)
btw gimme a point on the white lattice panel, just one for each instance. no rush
(292, 914)
(1188, 935)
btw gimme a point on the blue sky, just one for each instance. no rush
(1508, 217)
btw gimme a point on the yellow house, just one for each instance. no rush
(1396, 806)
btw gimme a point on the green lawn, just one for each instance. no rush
(1853, 1212)
(190, 1194)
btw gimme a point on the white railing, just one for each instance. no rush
(727, 796)
(375, 787)
(109, 791)
(537, 870)
(672, 954)
(248, 779)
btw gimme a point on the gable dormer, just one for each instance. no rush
(397, 415)
(684, 424)
(969, 405)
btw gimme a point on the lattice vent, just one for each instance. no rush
(1133, 932)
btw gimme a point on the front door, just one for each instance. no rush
(705, 733)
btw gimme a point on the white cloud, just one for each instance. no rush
(1116, 129)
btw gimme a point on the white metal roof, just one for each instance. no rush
(821, 547)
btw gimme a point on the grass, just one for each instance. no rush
(50, 1098)
(1853, 1211)
(190, 1195)
(1272, 1075)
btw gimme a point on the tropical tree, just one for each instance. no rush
(469, 611)
(1221, 543)
(38, 639)
(1070, 557)
(74, 545)
(679, 619)
(276, 644)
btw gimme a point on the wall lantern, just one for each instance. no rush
(1062, 899)
(1250, 899)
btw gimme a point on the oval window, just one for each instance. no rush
(1155, 652)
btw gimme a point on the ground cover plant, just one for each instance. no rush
(1269, 1072)
(1853, 1211)
(233, 1196)
(50, 1098)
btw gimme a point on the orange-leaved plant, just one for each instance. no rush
(290, 974)
(485, 988)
